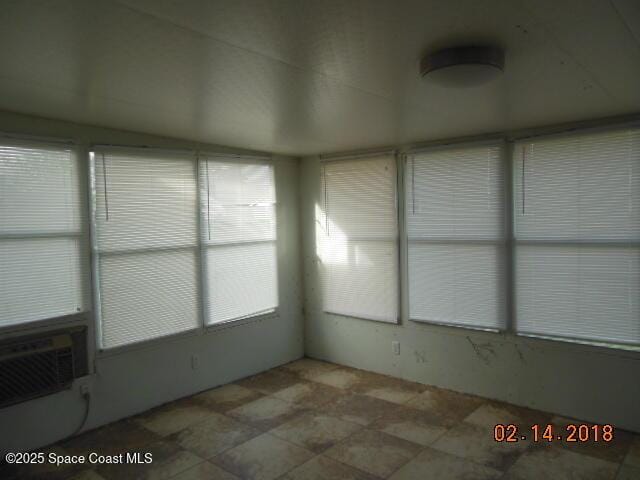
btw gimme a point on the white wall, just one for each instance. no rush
(586, 382)
(580, 381)
(137, 379)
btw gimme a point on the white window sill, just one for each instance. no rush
(206, 330)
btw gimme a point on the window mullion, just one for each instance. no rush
(402, 313)
(95, 255)
(202, 264)
(509, 253)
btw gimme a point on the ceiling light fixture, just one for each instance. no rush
(463, 66)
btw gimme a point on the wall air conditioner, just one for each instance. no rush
(40, 364)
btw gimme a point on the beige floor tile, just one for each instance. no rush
(339, 378)
(324, 468)
(451, 406)
(374, 452)
(262, 458)
(315, 431)
(118, 437)
(306, 367)
(391, 394)
(213, 435)
(633, 455)
(387, 388)
(87, 475)
(559, 464)
(265, 413)
(360, 409)
(168, 459)
(270, 381)
(627, 472)
(411, 424)
(170, 467)
(367, 425)
(205, 471)
(173, 417)
(227, 397)
(492, 413)
(614, 451)
(478, 445)
(434, 465)
(309, 394)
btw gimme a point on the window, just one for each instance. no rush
(577, 230)
(41, 233)
(146, 244)
(456, 236)
(159, 251)
(358, 240)
(239, 238)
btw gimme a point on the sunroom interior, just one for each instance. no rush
(254, 239)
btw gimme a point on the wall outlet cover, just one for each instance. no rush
(83, 384)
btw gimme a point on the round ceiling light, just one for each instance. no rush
(463, 66)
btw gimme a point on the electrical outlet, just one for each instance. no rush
(195, 362)
(396, 347)
(83, 384)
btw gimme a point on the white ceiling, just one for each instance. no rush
(301, 77)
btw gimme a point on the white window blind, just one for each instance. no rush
(577, 228)
(358, 240)
(42, 268)
(238, 207)
(456, 236)
(146, 221)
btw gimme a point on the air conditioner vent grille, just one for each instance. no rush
(34, 366)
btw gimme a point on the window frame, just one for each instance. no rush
(204, 246)
(82, 235)
(199, 249)
(594, 243)
(508, 139)
(96, 254)
(503, 244)
(509, 157)
(395, 158)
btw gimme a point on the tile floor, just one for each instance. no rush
(311, 420)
